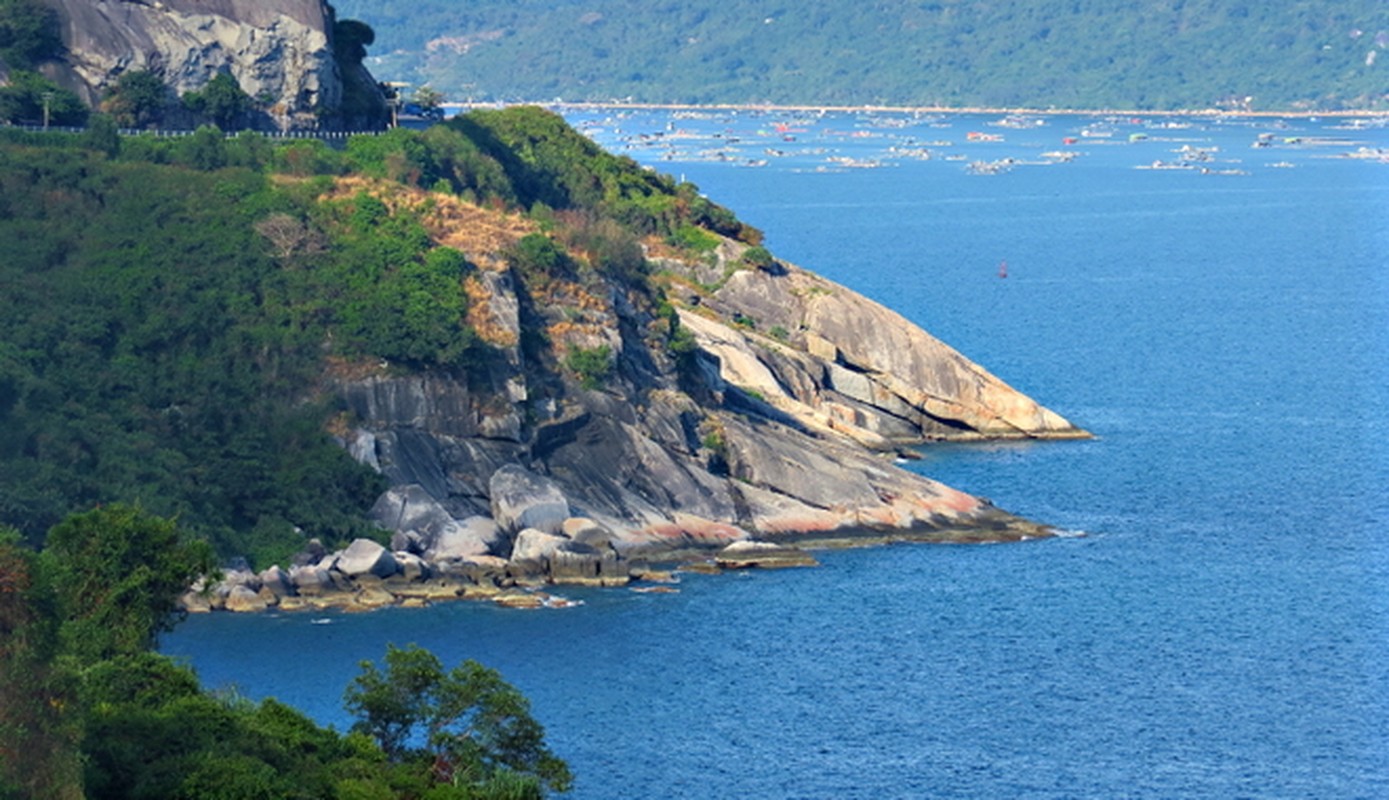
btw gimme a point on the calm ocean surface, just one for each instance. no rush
(1221, 631)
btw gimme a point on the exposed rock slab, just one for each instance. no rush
(765, 555)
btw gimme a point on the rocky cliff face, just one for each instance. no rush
(280, 51)
(783, 438)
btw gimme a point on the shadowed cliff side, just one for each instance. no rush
(280, 52)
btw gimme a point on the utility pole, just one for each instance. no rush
(47, 101)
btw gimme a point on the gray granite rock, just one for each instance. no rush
(522, 499)
(277, 581)
(243, 599)
(530, 555)
(365, 557)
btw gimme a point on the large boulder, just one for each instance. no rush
(365, 557)
(276, 581)
(476, 570)
(474, 536)
(242, 599)
(423, 525)
(522, 499)
(310, 580)
(313, 552)
(530, 555)
(587, 531)
(238, 577)
(584, 564)
(280, 51)
(412, 567)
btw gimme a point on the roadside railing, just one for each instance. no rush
(168, 133)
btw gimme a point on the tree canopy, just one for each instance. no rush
(116, 574)
(87, 709)
(222, 100)
(28, 33)
(27, 96)
(472, 728)
(138, 99)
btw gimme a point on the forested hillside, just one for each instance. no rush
(1089, 54)
(174, 314)
(173, 309)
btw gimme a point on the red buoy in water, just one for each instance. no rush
(1003, 269)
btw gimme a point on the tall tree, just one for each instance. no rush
(117, 573)
(138, 99)
(38, 736)
(222, 100)
(474, 727)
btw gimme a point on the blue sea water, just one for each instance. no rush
(1222, 628)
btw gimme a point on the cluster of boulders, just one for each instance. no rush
(437, 558)
(367, 576)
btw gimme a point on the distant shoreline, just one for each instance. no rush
(890, 109)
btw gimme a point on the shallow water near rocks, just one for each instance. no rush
(1219, 631)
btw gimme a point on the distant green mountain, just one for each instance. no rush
(1155, 54)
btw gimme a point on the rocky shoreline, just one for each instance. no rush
(367, 576)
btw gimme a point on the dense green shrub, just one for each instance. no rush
(151, 350)
(28, 33)
(549, 162)
(138, 99)
(592, 365)
(222, 100)
(28, 93)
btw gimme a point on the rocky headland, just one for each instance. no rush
(282, 53)
(774, 429)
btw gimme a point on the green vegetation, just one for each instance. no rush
(221, 100)
(87, 709)
(138, 99)
(593, 365)
(693, 239)
(467, 725)
(550, 164)
(1167, 54)
(23, 101)
(28, 33)
(170, 304)
(759, 258)
(152, 350)
(361, 96)
(116, 573)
